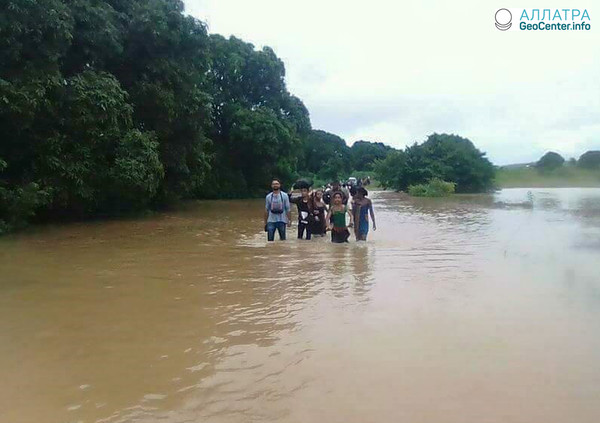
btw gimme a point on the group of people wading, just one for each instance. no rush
(319, 211)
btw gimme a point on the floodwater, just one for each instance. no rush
(470, 309)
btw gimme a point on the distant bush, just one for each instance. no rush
(550, 161)
(589, 160)
(435, 188)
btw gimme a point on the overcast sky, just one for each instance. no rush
(393, 71)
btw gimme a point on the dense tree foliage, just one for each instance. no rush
(589, 160)
(446, 157)
(326, 155)
(365, 153)
(119, 105)
(111, 106)
(550, 161)
(105, 106)
(329, 158)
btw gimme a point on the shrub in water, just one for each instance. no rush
(434, 188)
(444, 156)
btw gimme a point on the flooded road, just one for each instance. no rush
(468, 309)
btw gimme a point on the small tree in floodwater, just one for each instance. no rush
(450, 158)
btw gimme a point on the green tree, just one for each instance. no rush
(34, 35)
(550, 161)
(392, 171)
(97, 37)
(365, 153)
(164, 67)
(259, 126)
(589, 160)
(260, 146)
(455, 159)
(450, 158)
(82, 162)
(117, 105)
(327, 154)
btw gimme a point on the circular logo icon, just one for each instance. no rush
(503, 19)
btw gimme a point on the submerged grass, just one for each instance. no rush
(434, 188)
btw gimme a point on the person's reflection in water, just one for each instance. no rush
(361, 270)
(351, 271)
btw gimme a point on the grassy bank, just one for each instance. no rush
(564, 177)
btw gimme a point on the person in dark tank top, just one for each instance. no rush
(317, 223)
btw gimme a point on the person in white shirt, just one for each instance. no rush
(277, 211)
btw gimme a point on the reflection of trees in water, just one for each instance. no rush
(362, 264)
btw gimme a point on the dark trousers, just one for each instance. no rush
(301, 228)
(271, 226)
(340, 235)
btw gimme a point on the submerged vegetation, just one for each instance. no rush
(434, 188)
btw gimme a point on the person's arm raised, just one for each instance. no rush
(293, 199)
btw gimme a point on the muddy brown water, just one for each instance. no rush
(469, 309)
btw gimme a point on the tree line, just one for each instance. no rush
(552, 160)
(122, 105)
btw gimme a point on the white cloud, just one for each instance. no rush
(395, 72)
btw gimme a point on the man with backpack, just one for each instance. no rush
(277, 211)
